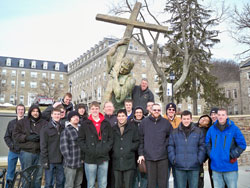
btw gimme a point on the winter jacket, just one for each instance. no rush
(70, 150)
(140, 98)
(187, 153)
(154, 134)
(175, 122)
(112, 119)
(24, 128)
(95, 150)
(125, 147)
(50, 143)
(220, 146)
(8, 137)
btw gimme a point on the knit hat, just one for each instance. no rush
(171, 105)
(214, 110)
(72, 113)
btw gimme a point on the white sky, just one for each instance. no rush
(62, 30)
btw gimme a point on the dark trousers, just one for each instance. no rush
(84, 179)
(157, 173)
(201, 175)
(124, 178)
(54, 171)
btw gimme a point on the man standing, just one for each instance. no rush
(126, 142)
(154, 132)
(51, 157)
(186, 151)
(149, 108)
(142, 94)
(213, 114)
(109, 113)
(225, 143)
(72, 158)
(27, 134)
(175, 121)
(128, 104)
(14, 149)
(95, 140)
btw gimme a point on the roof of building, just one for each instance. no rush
(246, 64)
(27, 64)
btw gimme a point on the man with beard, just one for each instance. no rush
(27, 135)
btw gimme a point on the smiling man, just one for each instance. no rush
(154, 132)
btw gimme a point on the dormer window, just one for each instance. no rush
(45, 65)
(21, 63)
(8, 62)
(57, 66)
(33, 64)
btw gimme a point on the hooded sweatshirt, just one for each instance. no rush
(97, 124)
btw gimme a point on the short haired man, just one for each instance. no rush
(82, 110)
(128, 104)
(186, 151)
(14, 150)
(109, 109)
(154, 132)
(73, 160)
(51, 156)
(66, 102)
(225, 143)
(213, 114)
(126, 143)
(27, 134)
(142, 94)
(95, 140)
(149, 108)
(175, 122)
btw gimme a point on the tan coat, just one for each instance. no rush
(175, 122)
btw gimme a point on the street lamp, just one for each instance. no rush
(172, 77)
(70, 86)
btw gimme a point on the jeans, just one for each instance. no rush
(29, 159)
(101, 171)
(140, 179)
(170, 166)
(184, 176)
(73, 177)
(12, 161)
(225, 178)
(55, 170)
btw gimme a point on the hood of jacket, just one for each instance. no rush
(34, 106)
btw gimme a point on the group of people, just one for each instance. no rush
(136, 147)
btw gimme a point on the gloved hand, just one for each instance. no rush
(33, 137)
(233, 160)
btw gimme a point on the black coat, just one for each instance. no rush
(125, 147)
(8, 137)
(50, 144)
(112, 119)
(95, 151)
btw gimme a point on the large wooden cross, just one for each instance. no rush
(130, 23)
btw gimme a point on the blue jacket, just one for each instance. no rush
(224, 145)
(187, 153)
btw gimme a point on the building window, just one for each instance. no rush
(228, 94)
(13, 73)
(22, 83)
(57, 66)
(248, 75)
(21, 63)
(21, 99)
(190, 107)
(52, 85)
(236, 109)
(61, 86)
(52, 76)
(12, 99)
(4, 72)
(94, 80)
(143, 75)
(12, 83)
(61, 76)
(131, 46)
(104, 76)
(43, 85)
(143, 63)
(235, 93)
(33, 85)
(44, 75)
(8, 62)
(99, 93)
(3, 83)
(23, 74)
(33, 74)
(33, 64)
(45, 65)
(156, 78)
(248, 91)
(2, 96)
(199, 109)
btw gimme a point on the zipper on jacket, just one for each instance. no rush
(215, 141)
(225, 141)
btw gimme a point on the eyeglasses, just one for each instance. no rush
(156, 110)
(171, 109)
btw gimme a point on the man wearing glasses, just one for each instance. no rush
(175, 121)
(154, 132)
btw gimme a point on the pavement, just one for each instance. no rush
(243, 178)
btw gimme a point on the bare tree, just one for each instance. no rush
(50, 88)
(241, 30)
